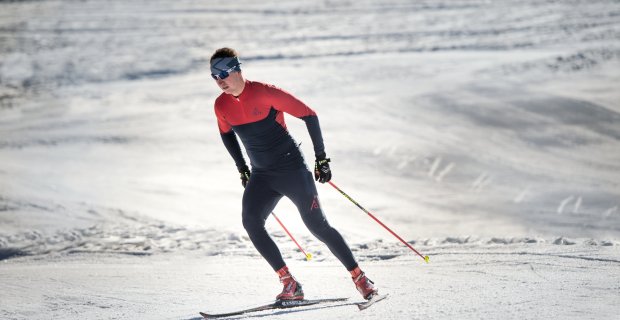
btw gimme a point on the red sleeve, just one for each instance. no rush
(222, 124)
(286, 102)
(229, 138)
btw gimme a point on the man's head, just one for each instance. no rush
(226, 71)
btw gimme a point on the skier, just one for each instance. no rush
(254, 111)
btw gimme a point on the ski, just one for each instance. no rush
(374, 299)
(279, 304)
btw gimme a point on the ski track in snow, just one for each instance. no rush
(486, 133)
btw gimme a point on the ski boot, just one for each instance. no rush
(292, 289)
(364, 285)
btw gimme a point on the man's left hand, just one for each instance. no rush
(322, 172)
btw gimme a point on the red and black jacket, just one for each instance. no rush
(257, 117)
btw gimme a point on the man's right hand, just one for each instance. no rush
(244, 175)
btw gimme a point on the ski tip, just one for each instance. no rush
(374, 299)
(204, 315)
(426, 258)
(308, 256)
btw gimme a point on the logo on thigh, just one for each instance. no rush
(315, 203)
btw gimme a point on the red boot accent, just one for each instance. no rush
(364, 285)
(292, 289)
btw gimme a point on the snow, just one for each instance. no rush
(490, 281)
(485, 133)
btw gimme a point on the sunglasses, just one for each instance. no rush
(224, 74)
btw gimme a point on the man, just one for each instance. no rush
(254, 111)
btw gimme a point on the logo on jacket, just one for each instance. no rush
(256, 112)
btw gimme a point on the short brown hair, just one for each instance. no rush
(224, 53)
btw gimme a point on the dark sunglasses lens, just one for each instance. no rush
(223, 75)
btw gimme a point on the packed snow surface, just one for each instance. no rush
(485, 133)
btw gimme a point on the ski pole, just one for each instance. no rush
(308, 255)
(426, 258)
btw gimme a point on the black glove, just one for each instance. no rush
(322, 172)
(244, 175)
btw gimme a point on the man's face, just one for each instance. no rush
(233, 84)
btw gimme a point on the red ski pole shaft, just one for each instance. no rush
(308, 256)
(426, 258)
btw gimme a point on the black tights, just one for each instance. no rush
(261, 195)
